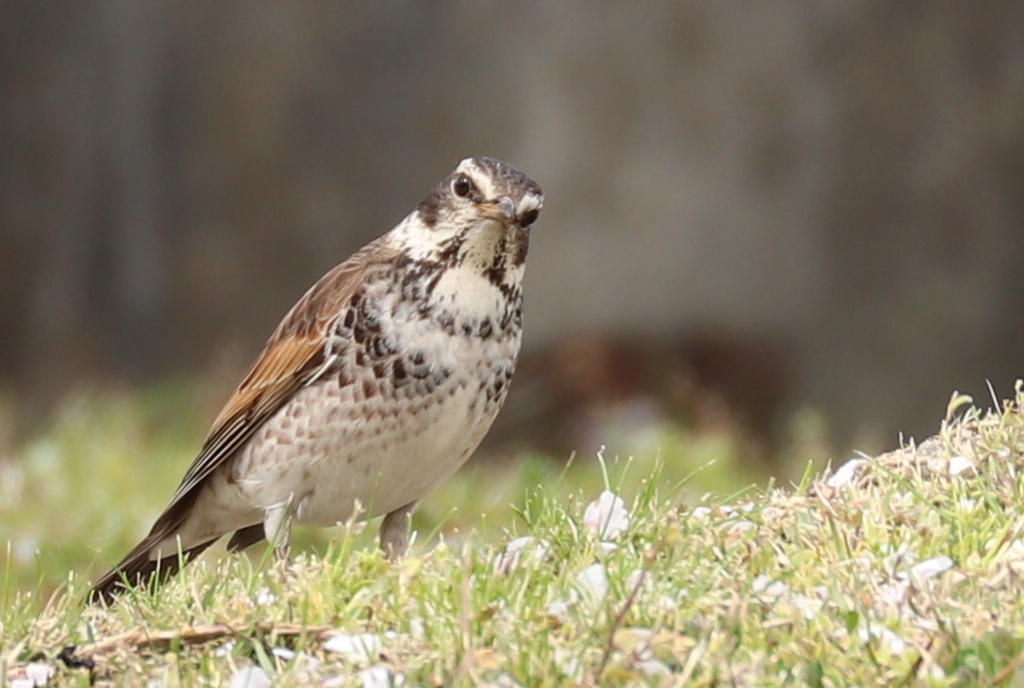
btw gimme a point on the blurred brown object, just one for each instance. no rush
(587, 387)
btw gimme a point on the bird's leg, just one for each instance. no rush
(394, 531)
(277, 526)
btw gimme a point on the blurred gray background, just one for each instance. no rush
(772, 205)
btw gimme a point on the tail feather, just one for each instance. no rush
(246, 537)
(137, 569)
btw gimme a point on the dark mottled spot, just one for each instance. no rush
(495, 274)
(420, 278)
(486, 329)
(467, 328)
(446, 321)
(426, 384)
(511, 292)
(380, 370)
(512, 317)
(435, 277)
(494, 392)
(430, 207)
(367, 324)
(361, 357)
(399, 374)
(368, 389)
(380, 347)
(356, 299)
(449, 250)
(344, 327)
(522, 248)
(418, 367)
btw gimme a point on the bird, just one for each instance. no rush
(376, 386)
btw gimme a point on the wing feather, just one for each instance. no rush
(294, 356)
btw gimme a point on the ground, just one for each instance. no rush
(899, 568)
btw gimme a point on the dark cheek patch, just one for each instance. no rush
(430, 208)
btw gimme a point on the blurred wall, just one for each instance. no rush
(843, 180)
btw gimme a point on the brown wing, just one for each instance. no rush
(294, 355)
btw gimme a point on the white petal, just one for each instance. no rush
(225, 649)
(931, 673)
(741, 526)
(666, 603)
(807, 606)
(533, 549)
(567, 661)
(264, 597)
(768, 588)
(358, 648)
(40, 673)
(559, 611)
(846, 473)
(960, 464)
(892, 594)
(606, 516)
(892, 642)
(929, 568)
(652, 667)
(375, 677)
(592, 582)
(250, 677)
(503, 681)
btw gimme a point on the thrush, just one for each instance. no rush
(375, 387)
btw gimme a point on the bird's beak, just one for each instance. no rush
(504, 210)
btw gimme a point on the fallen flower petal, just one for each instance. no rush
(358, 648)
(250, 677)
(606, 516)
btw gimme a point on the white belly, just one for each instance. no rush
(332, 446)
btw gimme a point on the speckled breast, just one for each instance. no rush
(412, 391)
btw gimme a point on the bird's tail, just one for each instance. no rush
(139, 568)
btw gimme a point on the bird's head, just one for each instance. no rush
(482, 210)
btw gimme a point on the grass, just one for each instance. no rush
(905, 568)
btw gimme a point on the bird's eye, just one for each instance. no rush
(462, 186)
(528, 218)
